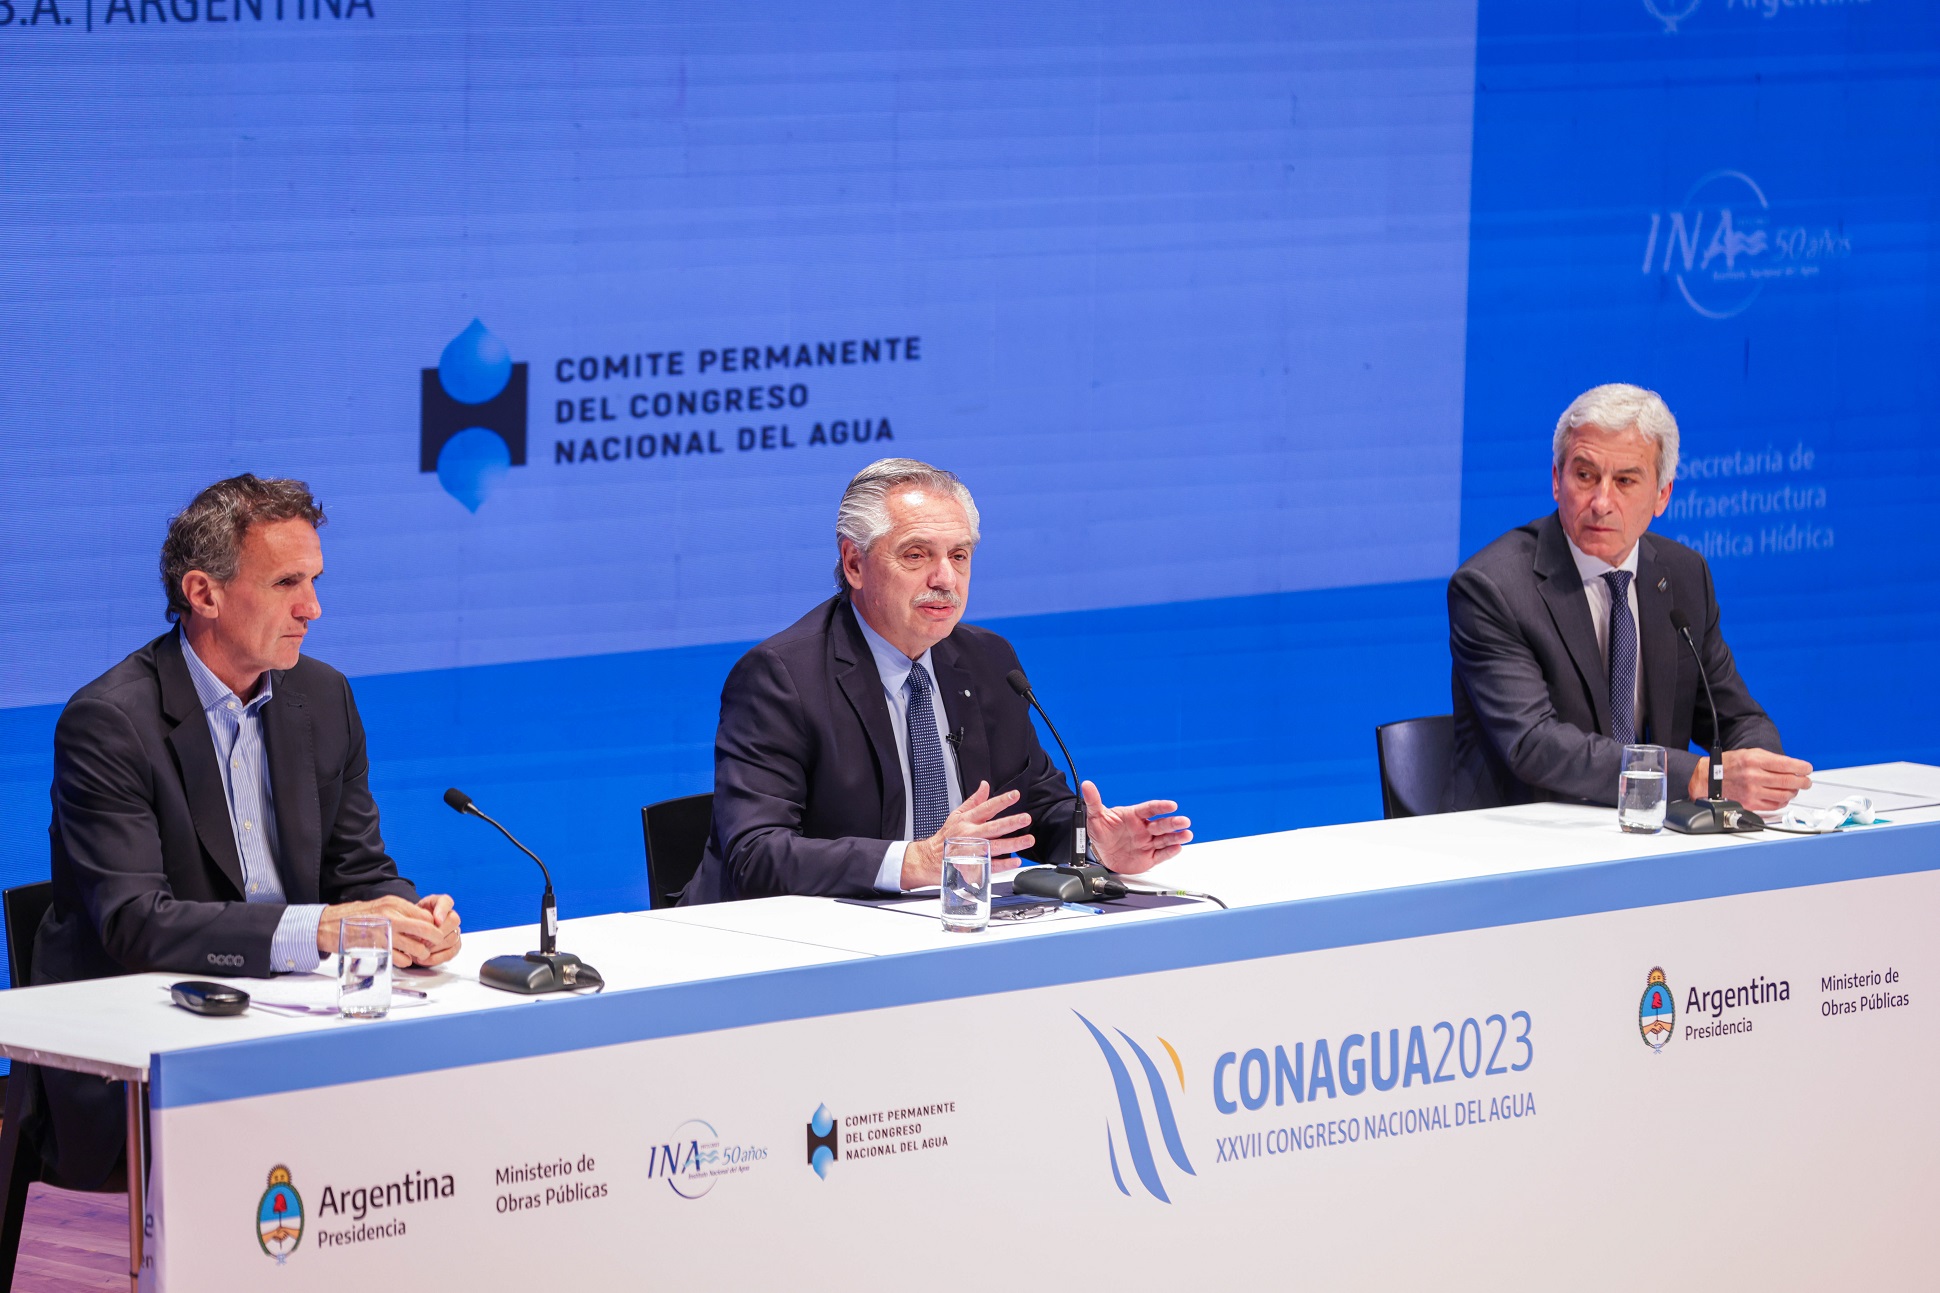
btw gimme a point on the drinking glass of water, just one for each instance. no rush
(1640, 790)
(364, 967)
(966, 885)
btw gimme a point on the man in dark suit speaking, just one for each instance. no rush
(1562, 640)
(852, 744)
(212, 812)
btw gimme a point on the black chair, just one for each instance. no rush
(1415, 754)
(676, 831)
(20, 1161)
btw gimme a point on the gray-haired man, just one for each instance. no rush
(854, 743)
(1562, 639)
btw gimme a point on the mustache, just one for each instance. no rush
(937, 598)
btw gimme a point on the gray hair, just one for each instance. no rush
(207, 535)
(863, 516)
(1618, 407)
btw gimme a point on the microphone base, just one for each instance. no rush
(537, 973)
(1068, 883)
(1711, 817)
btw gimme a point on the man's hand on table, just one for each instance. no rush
(1760, 780)
(981, 816)
(424, 933)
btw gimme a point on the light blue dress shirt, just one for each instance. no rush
(237, 727)
(893, 666)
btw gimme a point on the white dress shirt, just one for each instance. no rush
(893, 666)
(1598, 594)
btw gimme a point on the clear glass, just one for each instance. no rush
(364, 967)
(1640, 790)
(966, 885)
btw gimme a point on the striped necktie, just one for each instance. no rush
(929, 792)
(1623, 660)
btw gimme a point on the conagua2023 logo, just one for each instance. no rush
(1133, 1131)
(472, 415)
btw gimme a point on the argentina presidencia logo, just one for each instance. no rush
(279, 1216)
(1657, 1012)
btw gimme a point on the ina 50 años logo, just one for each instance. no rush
(1723, 245)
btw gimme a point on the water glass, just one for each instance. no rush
(364, 967)
(1640, 790)
(966, 885)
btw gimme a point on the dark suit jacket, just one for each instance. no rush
(808, 787)
(1532, 694)
(146, 872)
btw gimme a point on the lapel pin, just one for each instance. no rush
(966, 695)
(1663, 584)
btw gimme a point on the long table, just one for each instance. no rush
(1511, 1047)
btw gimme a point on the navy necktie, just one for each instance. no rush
(1623, 660)
(929, 791)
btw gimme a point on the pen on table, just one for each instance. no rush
(1078, 906)
(410, 992)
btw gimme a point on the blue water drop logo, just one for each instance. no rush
(471, 465)
(474, 367)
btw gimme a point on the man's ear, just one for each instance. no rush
(851, 563)
(1664, 498)
(203, 594)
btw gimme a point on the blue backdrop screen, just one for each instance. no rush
(1245, 322)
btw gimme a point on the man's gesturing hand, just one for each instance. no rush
(421, 934)
(1134, 839)
(981, 816)
(1760, 780)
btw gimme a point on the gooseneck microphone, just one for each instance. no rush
(548, 969)
(1080, 878)
(1080, 851)
(1715, 815)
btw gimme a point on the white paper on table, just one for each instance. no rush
(1917, 783)
(305, 992)
(1824, 794)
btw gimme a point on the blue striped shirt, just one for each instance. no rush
(237, 727)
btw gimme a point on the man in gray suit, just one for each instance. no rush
(1562, 639)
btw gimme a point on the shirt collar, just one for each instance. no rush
(1596, 567)
(213, 692)
(891, 664)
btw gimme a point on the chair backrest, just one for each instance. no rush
(1415, 754)
(676, 831)
(23, 906)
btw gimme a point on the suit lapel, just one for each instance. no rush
(1659, 641)
(965, 715)
(195, 756)
(290, 748)
(855, 672)
(1562, 589)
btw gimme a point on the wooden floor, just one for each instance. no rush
(72, 1242)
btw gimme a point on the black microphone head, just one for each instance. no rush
(460, 801)
(1019, 683)
(1680, 621)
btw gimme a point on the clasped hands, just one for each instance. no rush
(1760, 780)
(1128, 840)
(422, 933)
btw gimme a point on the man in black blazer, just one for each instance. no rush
(852, 744)
(1562, 640)
(211, 808)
